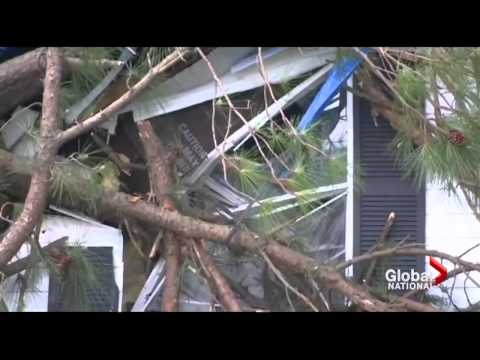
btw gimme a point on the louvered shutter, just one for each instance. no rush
(383, 188)
(103, 297)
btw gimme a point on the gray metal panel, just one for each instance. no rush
(383, 188)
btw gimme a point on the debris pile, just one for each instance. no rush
(178, 179)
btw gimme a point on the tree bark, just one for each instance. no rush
(36, 199)
(21, 80)
(327, 276)
(161, 169)
(385, 107)
(22, 264)
(172, 269)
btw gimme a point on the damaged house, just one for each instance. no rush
(278, 141)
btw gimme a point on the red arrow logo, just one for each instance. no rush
(441, 269)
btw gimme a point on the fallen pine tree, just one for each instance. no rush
(37, 181)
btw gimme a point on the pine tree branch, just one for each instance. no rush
(218, 281)
(392, 89)
(411, 305)
(327, 277)
(172, 269)
(245, 122)
(21, 80)
(123, 166)
(24, 263)
(388, 111)
(161, 168)
(121, 205)
(132, 239)
(104, 115)
(114, 206)
(380, 244)
(76, 63)
(410, 250)
(285, 283)
(36, 199)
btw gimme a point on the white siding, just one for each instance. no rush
(350, 180)
(452, 228)
(80, 233)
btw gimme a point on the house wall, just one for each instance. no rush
(451, 227)
(80, 233)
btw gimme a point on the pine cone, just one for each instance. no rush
(456, 137)
(64, 263)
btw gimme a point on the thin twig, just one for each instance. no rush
(132, 239)
(104, 115)
(264, 75)
(124, 166)
(465, 291)
(286, 283)
(380, 244)
(75, 63)
(218, 281)
(252, 131)
(21, 264)
(408, 250)
(3, 218)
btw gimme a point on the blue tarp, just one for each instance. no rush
(339, 75)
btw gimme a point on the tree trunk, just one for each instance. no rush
(114, 206)
(161, 169)
(217, 281)
(21, 80)
(37, 195)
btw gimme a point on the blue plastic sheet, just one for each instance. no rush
(339, 75)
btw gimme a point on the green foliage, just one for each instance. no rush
(346, 52)
(79, 278)
(32, 275)
(109, 173)
(300, 163)
(289, 85)
(440, 161)
(79, 180)
(250, 173)
(412, 87)
(84, 78)
(456, 70)
(148, 58)
(296, 161)
(269, 217)
(76, 186)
